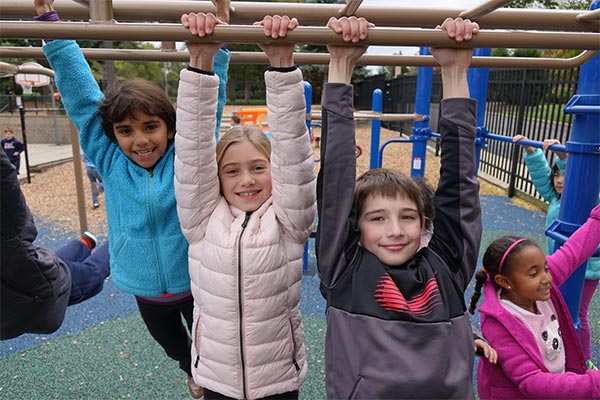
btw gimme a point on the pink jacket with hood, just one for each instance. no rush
(246, 268)
(520, 372)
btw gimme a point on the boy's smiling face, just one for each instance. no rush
(390, 228)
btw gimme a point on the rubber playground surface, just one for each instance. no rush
(103, 350)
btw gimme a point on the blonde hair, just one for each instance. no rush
(240, 134)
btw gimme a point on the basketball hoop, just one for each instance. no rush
(28, 80)
(27, 88)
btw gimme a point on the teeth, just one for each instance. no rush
(144, 152)
(247, 194)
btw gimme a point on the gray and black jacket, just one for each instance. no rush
(397, 333)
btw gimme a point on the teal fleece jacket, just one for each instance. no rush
(148, 251)
(541, 175)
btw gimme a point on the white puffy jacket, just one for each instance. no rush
(246, 269)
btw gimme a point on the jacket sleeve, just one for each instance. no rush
(525, 373)
(35, 283)
(578, 248)
(292, 164)
(81, 97)
(336, 182)
(457, 222)
(221, 68)
(196, 178)
(541, 174)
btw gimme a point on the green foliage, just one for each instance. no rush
(552, 4)
(500, 52)
(526, 53)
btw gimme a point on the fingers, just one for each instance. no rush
(518, 137)
(353, 29)
(277, 26)
(459, 29)
(549, 142)
(200, 24)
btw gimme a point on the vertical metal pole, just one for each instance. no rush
(582, 177)
(519, 131)
(421, 130)
(376, 106)
(308, 101)
(478, 84)
(54, 122)
(83, 226)
(24, 133)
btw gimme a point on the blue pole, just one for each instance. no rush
(376, 106)
(421, 130)
(478, 83)
(582, 177)
(308, 101)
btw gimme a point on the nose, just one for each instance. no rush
(394, 229)
(247, 178)
(140, 139)
(548, 277)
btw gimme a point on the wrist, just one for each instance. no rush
(282, 62)
(41, 10)
(340, 70)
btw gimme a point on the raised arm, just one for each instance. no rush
(578, 248)
(457, 222)
(337, 175)
(79, 91)
(292, 164)
(196, 178)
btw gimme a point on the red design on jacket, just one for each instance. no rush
(390, 298)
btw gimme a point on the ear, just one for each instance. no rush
(502, 281)
(170, 135)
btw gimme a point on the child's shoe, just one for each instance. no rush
(95, 205)
(89, 240)
(196, 391)
(591, 366)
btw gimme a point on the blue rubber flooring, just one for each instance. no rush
(103, 350)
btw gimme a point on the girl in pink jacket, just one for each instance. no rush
(525, 317)
(247, 207)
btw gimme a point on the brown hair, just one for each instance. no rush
(240, 134)
(387, 183)
(125, 97)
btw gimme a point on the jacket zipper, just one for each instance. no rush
(293, 346)
(240, 303)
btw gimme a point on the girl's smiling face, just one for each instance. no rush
(143, 138)
(528, 279)
(245, 176)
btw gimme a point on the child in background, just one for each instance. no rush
(396, 318)
(128, 133)
(12, 147)
(549, 182)
(525, 316)
(247, 207)
(95, 180)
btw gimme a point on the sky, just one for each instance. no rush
(409, 51)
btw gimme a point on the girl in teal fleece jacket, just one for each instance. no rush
(549, 182)
(129, 136)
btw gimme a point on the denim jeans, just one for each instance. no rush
(88, 270)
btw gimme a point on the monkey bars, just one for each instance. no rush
(314, 14)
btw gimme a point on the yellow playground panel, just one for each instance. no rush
(253, 115)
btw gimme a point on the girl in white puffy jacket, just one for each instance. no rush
(247, 207)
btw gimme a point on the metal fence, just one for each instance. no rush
(527, 102)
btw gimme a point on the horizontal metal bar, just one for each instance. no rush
(247, 57)
(7, 69)
(366, 115)
(590, 16)
(313, 14)
(484, 8)
(312, 35)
